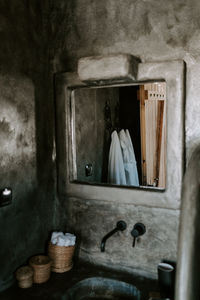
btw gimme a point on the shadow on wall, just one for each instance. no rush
(188, 280)
(28, 165)
(25, 51)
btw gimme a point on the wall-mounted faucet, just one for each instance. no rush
(138, 230)
(120, 226)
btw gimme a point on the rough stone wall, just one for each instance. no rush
(154, 31)
(26, 133)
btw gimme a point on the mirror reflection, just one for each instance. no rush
(119, 135)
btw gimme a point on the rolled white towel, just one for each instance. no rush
(70, 239)
(61, 239)
(54, 237)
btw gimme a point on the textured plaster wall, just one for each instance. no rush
(91, 220)
(26, 133)
(39, 38)
(154, 31)
(149, 29)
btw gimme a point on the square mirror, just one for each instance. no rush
(149, 110)
(120, 135)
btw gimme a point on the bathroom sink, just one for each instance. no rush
(100, 288)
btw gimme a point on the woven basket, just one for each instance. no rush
(61, 257)
(24, 276)
(41, 265)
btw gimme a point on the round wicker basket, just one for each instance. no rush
(41, 265)
(61, 257)
(24, 276)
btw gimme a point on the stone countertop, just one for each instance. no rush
(56, 286)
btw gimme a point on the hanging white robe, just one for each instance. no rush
(129, 160)
(116, 172)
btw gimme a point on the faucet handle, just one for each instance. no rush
(135, 234)
(121, 225)
(138, 229)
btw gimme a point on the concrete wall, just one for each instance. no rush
(148, 29)
(39, 38)
(26, 134)
(153, 31)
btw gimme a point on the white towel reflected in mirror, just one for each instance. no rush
(116, 172)
(122, 167)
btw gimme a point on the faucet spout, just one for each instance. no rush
(103, 242)
(120, 226)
